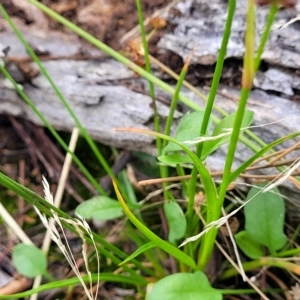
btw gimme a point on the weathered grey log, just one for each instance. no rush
(53, 42)
(202, 23)
(278, 79)
(93, 88)
(99, 105)
(95, 92)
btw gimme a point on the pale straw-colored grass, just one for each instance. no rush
(82, 228)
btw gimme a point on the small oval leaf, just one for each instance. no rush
(29, 260)
(248, 245)
(264, 216)
(187, 130)
(176, 220)
(100, 208)
(185, 286)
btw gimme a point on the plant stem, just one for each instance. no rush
(175, 98)
(247, 79)
(289, 252)
(263, 261)
(148, 69)
(265, 35)
(248, 75)
(210, 104)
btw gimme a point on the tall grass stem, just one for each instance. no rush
(210, 104)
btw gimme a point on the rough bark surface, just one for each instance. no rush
(202, 23)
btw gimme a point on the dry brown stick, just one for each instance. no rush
(276, 164)
(220, 173)
(269, 156)
(281, 284)
(284, 153)
(213, 174)
(50, 155)
(54, 156)
(50, 57)
(268, 177)
(17, 285)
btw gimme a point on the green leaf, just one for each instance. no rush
(139, 251)
(185, 286)
(187, 130)
(264, 216)
(100, 208)
(29, 260)
(175, 159)
(176, 220)
(248, 245)
(226, 123)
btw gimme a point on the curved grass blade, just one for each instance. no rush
(139, 251)
(181, 256)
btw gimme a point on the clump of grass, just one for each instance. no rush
(190, 250)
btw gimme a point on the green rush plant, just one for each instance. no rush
(192, 230)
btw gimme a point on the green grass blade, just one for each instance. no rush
(132, 200)
(170, 249)
(209, 185)
(248, 75)
(210, 104)
(30, 196)
(139, 251)
(109, 277)
(148, 69)
(264, 38)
